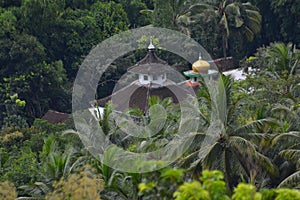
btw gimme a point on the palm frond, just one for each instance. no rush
(266, 164)
(249, 6)
(67, 160)
(146, 11)
(50, 145)
(291, 155)
(257, 138)
(294, 67)
(78, 162)
(198, 8)
(287, 139)
(72, 135)
(279, 108)
(292, 181)
(208, 157)
(241, 145)
(248, 33)
(37, 190)
(71, 132)
(255, 125)
(202, 154)
(254, 15)
(236, 164)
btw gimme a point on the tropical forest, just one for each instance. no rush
(251, 153)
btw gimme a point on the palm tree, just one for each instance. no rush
(282, 60)
(277, 76)
(183, 15)
(286, 147)
(184, 12)
(55, 164)
(243, 18)
(177, 14)
(227, 145)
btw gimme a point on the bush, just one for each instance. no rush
(84, 185)
(7, 191)
(212, 187)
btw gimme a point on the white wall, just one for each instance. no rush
(158, 79)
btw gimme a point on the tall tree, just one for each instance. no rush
(25, 72)
(234, 149)
(231, 22)
(235, 17)
(133, 10)
(110, 18)
(288, 12)
(10, 3)
(174, 14)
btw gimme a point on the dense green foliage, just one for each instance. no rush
(45, 41)
(256, 156)
(42, 46)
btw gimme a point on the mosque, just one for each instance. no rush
(152, 79)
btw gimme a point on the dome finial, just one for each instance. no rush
(151, 46)
(200, 56)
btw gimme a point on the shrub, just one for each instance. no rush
(7, 191)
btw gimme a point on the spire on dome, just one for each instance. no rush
(200, 56)
(151, 46)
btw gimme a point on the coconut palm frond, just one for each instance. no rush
(257, 138)
(292, 181)
(195, 159)
(210, 156)
(199, 8)
(241, 145)
(237, 164)
(37, 190)
(286, 138)
(279, 108)
(291, 154)
(266, 164)
(256, 125)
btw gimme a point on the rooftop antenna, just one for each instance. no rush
(151, 46)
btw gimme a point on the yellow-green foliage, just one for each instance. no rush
(7, 191)
(15, 136)
(85, 185)
(246, 192)
(211, 187)
(146, 186)
(191, 191)
(288, 194)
